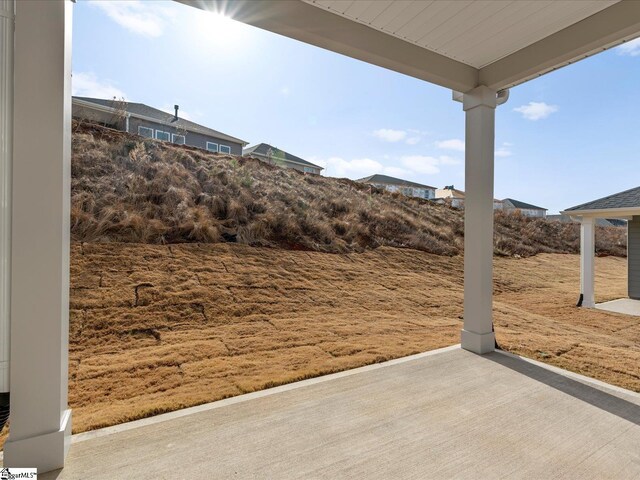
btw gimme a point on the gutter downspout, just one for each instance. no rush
(126, 122)
(7, 28)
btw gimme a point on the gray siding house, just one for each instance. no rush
(141, 119)
(274, 156)
(510, 205)
(392, 184)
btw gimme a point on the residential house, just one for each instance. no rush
(451, 196)
(392, 184)
(150, 122)
(510, 205)
(275, 156)
(455, 198)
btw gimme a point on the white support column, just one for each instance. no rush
(40, 418)
(7, 8)
(479, 105)
(587, 268)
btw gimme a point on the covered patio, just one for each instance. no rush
(466, 412)
(442, 414)
(625, 206)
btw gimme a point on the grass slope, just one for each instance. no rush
(129, 189)
(156, 328)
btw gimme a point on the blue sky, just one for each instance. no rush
(565, 138)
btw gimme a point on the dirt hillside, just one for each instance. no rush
(129, 189)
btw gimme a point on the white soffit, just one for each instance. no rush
(458, 44)
(474, 32)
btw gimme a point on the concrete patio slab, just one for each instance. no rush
(627, 306)
(444, 414)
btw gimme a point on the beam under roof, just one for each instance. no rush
(605, 29)
(315, 26)
(311, 24)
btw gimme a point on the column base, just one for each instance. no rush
(480, 343)
(44, 452)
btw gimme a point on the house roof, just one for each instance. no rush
(627, 199)
(140, 109)
(519, 204)
(387, 180)
(263, 150)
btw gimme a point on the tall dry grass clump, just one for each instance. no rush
(127, 188)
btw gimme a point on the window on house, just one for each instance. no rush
(212, 147)
(145, 132)
(225, 149)
(179, 139)
(165, 136)
(309, 170)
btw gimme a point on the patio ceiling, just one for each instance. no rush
(455, 44)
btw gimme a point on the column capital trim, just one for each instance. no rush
(479, 96)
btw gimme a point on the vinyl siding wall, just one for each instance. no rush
(426, 193)
(117, 121)
(191, 138)
(633, 257)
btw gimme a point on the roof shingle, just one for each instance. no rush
(523, 205)
(387, 180)
(263, 150)
(627, 199)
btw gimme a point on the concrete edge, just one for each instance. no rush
(620, 306)
(574, 376)
(80, 437)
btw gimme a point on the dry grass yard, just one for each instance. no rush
(157, 328)
(197, 276)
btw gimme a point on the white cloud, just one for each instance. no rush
(631, 48)
(426, 164)
(389, 135)
(504, 150)
(356, 168)
(536, 110)
(452, 144)
(396, 171)
(413, 140)
(86, 84)
(144, 18)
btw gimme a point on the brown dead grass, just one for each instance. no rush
(129, 189)
(157, 328)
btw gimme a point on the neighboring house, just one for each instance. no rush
(510, 205)
(280, 158)
(451, 196)
(392, 184)
(150, 122)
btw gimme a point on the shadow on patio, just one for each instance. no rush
(442, 414)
